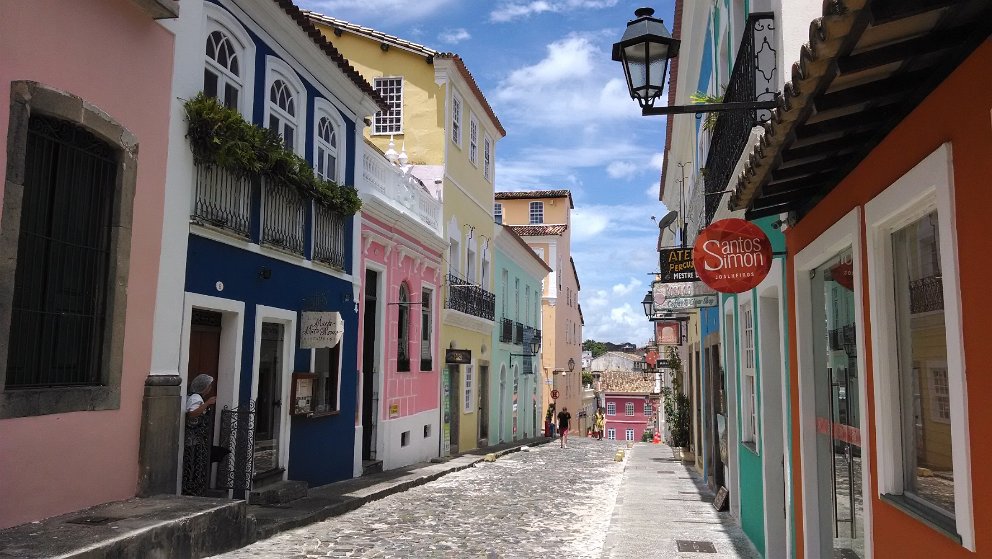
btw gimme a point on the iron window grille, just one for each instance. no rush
(59, 306)
(506, 331)
(426, 356)
(329, 236)
(222, 199)
(391, 90)
(926, 295)
(518, 333)
(466, 297)
(283, 216)
(403, 331)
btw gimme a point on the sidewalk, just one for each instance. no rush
(663, 506)
(190, 527)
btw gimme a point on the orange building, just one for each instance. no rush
(878, 163)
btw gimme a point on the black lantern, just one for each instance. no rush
(648, 303)
(644, 50)
(535, 343)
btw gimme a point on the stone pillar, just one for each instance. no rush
(158, 453)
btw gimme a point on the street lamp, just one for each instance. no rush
(648, 304)
(644, 50)
(534, 346)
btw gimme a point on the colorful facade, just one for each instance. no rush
(71, 415)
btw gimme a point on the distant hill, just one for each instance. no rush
(599, 348)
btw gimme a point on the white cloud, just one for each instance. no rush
(658, 161)
(454, 36)
(621, 169)
(509, 11)
(376, 12)
(652, 190)
(621, 289)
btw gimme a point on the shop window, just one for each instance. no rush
(327, 366)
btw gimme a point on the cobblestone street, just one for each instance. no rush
(518, 506)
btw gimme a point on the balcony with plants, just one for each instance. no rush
(247, 185)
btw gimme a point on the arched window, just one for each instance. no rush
(222, 76)
(282, 112)
(327, 150)
(403, 330)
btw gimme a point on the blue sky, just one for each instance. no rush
(545, 67)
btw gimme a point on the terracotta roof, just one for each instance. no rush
(625, 381)
(867, 65)
(429, 53)
(537, 230)
(525, 194)
(300, 17)
(513, 234)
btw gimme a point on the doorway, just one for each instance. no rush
(453, 411)
(269, 419)
(370, 393)
(502, 403)
(200, 432)
(483, 406)
(717, 405)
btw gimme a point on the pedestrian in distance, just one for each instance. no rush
(600, 423)
(563, 418)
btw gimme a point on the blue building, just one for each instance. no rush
(266, 304)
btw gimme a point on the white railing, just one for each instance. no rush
(401, 189)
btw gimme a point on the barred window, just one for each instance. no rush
(403, 330)
(426, 329)
(391, 122)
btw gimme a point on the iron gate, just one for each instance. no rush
(237, 436)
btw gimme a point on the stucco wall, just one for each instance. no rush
(56, 463)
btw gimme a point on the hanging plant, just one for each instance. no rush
(700, 98)
(221, 137)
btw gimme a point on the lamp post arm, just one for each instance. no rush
(708, 108)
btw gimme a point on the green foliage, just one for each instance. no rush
(220, 136)
(700, 98)
(597, 348)
(587, 378)
(677, 404)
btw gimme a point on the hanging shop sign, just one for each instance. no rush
(676, 265)
(458, 356)
(732, 255)
(685, 303)
(667, 332)
(320, 329)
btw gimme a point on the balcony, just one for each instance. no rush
(328, 236)
(400, 189)
(222, 199)
(506, 331)
(753, 78)
(518, 333)
(284, 211)
(466, 297)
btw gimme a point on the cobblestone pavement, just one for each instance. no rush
(547, 502)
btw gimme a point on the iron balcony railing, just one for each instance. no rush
(328, 236)
(506, 331)
(753, 79)
(222, 199)
(284, 211)
(464, 296)
(926, 295)
(518, 333)
(400, 189)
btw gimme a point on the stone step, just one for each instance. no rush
(278, 493)
(371, 467)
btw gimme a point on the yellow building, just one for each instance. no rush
(543, 219)
(448, 132)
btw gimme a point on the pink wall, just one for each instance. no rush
(114, 56)
(638, 422)
(414, 391)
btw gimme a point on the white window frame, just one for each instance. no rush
(498, 213)
(927, 186)
(428, 304)
(628, 409)
(378, 128)
(484, 265)
(629, 435)
(456, 119)
(218, 19)
(749, 381)
(324, 109)
(648, 408)
(470, 263)
(468, 393)
(611, 408)
(535, 208)
(611, 434)
(277, 69)
(473, 139)
(487, 158)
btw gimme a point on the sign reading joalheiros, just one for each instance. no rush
(732, 255)
(320, 329)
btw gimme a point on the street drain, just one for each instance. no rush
(665, 472)
(690, 546)
(91, 520)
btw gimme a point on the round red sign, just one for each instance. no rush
(554, 394)
(732, 255)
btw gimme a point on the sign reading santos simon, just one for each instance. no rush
(732, 255)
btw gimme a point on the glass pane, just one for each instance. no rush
(209, 83)
(923, 382)
(230, 96)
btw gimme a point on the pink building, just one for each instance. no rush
(628, 415)
(84, 134)
(399, 417)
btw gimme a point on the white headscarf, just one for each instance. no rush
(200, 384)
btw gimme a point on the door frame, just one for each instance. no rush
(288, 319)
(844, 233)
(229, 358)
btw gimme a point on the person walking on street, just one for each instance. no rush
(563, 418)
(600, 423)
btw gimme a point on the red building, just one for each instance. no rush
(631, 405)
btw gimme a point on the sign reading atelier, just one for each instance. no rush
(676, 265)
(732, 255)
(320, 329)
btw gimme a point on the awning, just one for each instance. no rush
(867, 65)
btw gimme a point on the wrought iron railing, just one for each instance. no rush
(506, 331)
(464, 296)
(518, 333)
(835, 339)
(401, 189)
(753, 78)
(237, 437)
(850, 341)
(926, 295)
(284, 211)
(222, 199)
(328, 236)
